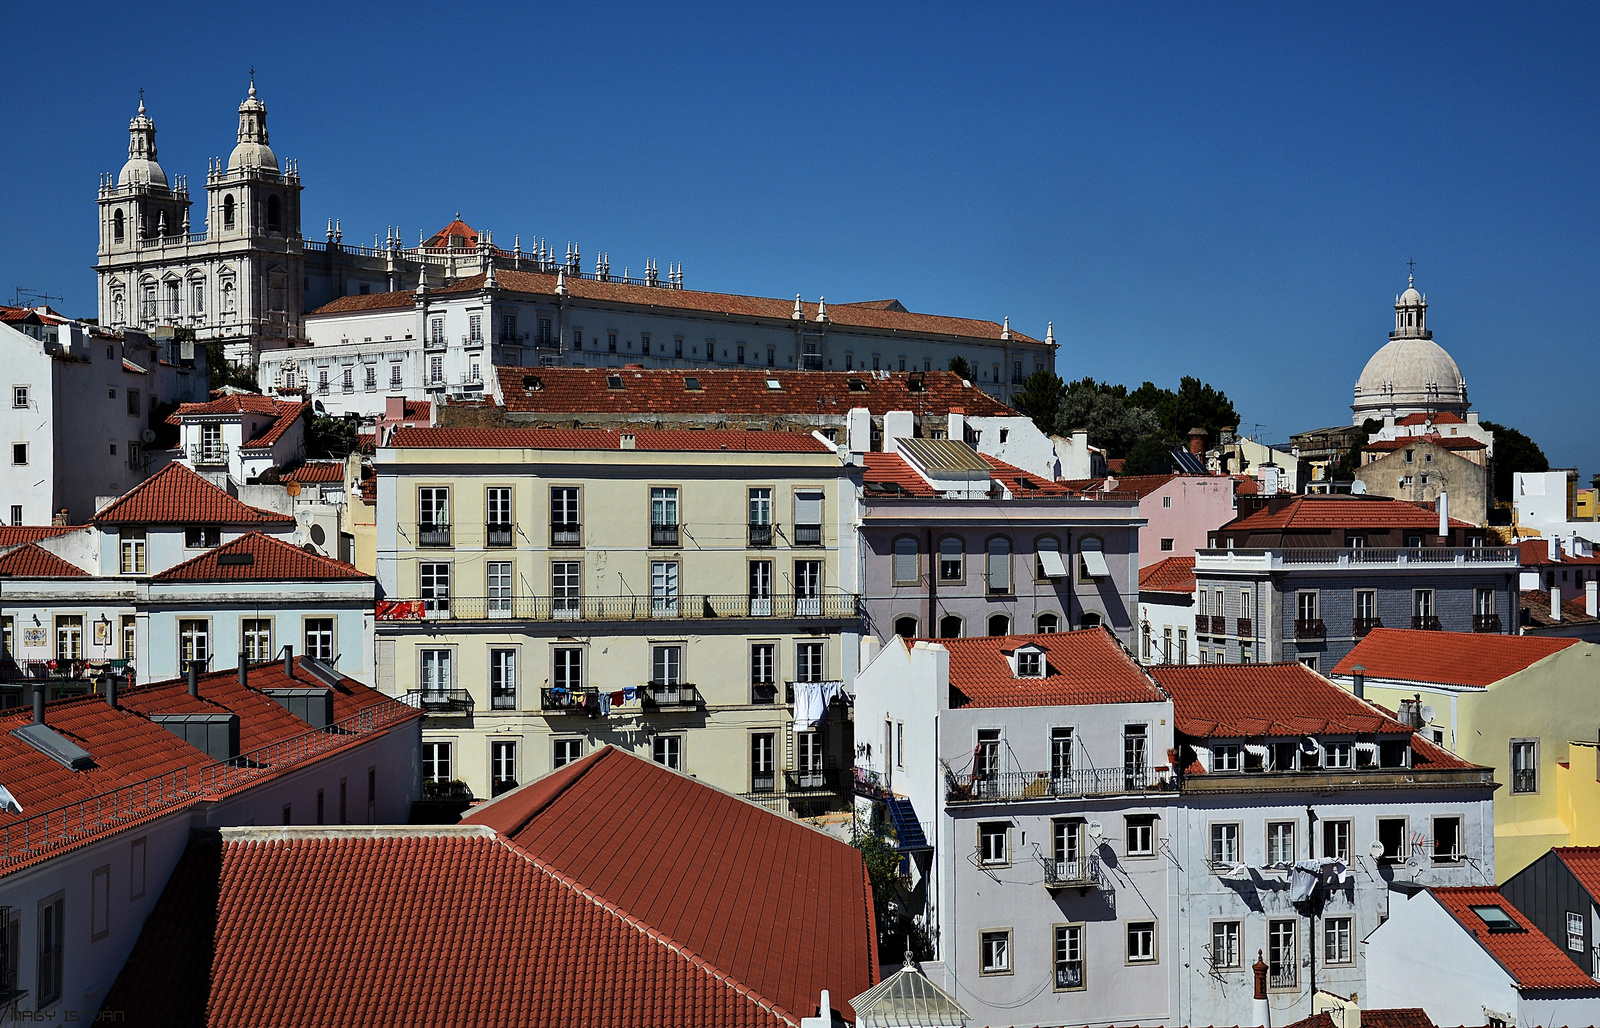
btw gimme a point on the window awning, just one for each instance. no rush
(1095, 563)
(1050, 562)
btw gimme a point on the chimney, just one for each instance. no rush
(1197, 440)
(288, 661)
(1359, 679)
(394, 409)
(244, 669)
(1553, 549)
(1555, 603)
(1443, 506)
(858, 430)
(111, 691)
(1591, 598)
(1260, 1013)
(38, 704)
(628, 441)
(956, 424)
(194, 678)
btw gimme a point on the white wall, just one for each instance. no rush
(1159, 612)
(1421, 957)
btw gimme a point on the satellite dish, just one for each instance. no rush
(1308, 745)
(1095, 830)
(8, 802)
(1427, 714)
(293, 488)
(1375, 850)
(149, 435)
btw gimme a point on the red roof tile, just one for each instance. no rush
(29, 561)
(1447, 658)
(12, 535)
(1444, 442)
(236, 403)
(773, 903)
(738, 391)
(1256, 700)
(1574, 609)
(177, 496)
(1341, 511)
(1584, 863)
(1443, 417)
(316, 471)
(1085, 666)
(1136, 485)
(457, 235)
(271, 559)
(686, 440)
(729, 304)
(891, 469)
(1393, 1017)
(1172, 575)
(1528, 956)
(1536, 553)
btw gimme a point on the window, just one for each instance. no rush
(1225, 950)
(1341, 754)
(436, 762)
(50, 931)
(1336, 840)
(1283, 955)
(1574, 931)
(497, 579)
(950, 626)
(257, 635)
(433, 587)
(436, 331)
(1060, 753)
(808, 518)
(435, 370)
(950, 560)
(1141, 835)
(1047, 624)
(1280, 842)
(1306, 605)
(808, 588)
(1447, 840)
(202, 538)
(1524, 765)
(19, 396)
(565, 527)
(498, 505)
(1392, 835)
(1483, 601)
(1091, 561)
(567, 673)
(907, 562)
(760, 502)
(667, 750)
(433, 516)
(999, 624)
(1030, 663)
(129, 637)
(808, 658)
(906, 626)
(999, 565)
(322, 808)
(16, 514)
(319, 638)
(1069, 956)
(666, 665)
(1336, 941)
(664, 588)
(1366, 607)
(994, 951)
(69, 637)
(19, 453)
(664, 516)
(763, 774)
(435, 670)
(1135, 755)
(394, 376)
(1224, 844)
(1225, 756)
(503, 679)
(1047, 559)
(194, 641)
(1422, 603)
(1141, 942)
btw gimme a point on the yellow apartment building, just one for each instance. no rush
(690, 596)
(1524, 705)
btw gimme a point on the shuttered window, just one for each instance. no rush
(808, 508)
(906, 563)
(999, 565)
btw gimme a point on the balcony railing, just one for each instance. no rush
(1425, 622)
(664, 535)
(433, 533)
(434, 790)
(1244, 628)
(808, 535)
(1486, 622)
(833, 606)
(1067, 874)
(202, 456)
(764, 692)
(817, 779)
(1361, 626)
(566, 534)
(1360, 556)
(569, 701)
(1213, 624)
(1524, 780)
(1008, 786)
(1309, 630)
(1283, 976)
(760, 535)
(497, 535)
(433, 343)
(439, 701)
(677, 694)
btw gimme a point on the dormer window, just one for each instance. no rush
(1225, 756)
(1030, 663)
(1341, 755)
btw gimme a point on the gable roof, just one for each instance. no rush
(1474, 659)
(12, 535)
(176, 495)
(1340, 511)
(1255, 700)
(1444, 442)
(1081, 667)
(1442, 417)
(1391, 1017)
(1172, 575)
(1536, 553)
(315, 471)
(270, 559)
(568, 391)
(1584, 863)
(30, 561)
(444, 238)
(1528, 955)
(742, 877)
(682, 440)
(1135, 485)
(1574, 610)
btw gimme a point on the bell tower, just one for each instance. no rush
(141, 213)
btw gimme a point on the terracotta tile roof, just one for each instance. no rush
(1393, 1017)
(236, 403)
(1081, 667)
(441, 239)
(11, 535)
(1584, 863)
(315, 471)
(264, 926)
(1528, 955)
(30, 561)
(1116, 464)
(1252, 701)
(418, 410)
(864, 316)
(772, 903)
(739, 391)
(891, 469)
(1245, 485)
(1444, 442)
(271, 559)
(289, 414)
(177, 496)
(1023, 484)
(1574, 609)
(1341, 511)
(1536, 553)
(1172, 575)
(1136, 485)
(1477, 659)
(681, 440)
(1443, 417)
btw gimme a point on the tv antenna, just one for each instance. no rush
(32, 298)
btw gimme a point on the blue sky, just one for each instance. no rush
(1225, 191)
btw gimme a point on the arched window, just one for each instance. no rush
(1047, 567)
(951, 562)
(905, 626)
(1089, 620)
(950, 626)
(999, 565)
(1047, 623)
(907, 564)
(274, 213)
(999, 624)
(119, 226)
(227, 211)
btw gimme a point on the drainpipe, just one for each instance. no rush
(288, 661)
(932, 630)
(244, 669)
(1311, 948)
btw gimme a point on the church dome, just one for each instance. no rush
(252, 155)
(253, 151)
(1411, 298)
(142, 169)
(1409, 376)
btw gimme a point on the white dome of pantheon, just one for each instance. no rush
(1412, 374)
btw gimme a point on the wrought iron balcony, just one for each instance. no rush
(433, 533)
(1361, 626)
(566, 534)
(764, 781)
(1425, 622)
(808, 535)
(203, 456)
(760, 535)
(1524, 780)
(433, 342)
(1486, 622)
(764, 692)
(1009, 786)
(664, 535)
(1283, 976)
(1214, 624)
(816, 779)
(1244, 628)
(439, 701)
(1082, 873)
(675, 695)
(432, 790)
(497, 535)
(1309, 630)
(569, 701)
(830, 607)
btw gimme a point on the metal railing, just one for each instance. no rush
(438, 701)
(1244, 628)
(808, 535)
(1213, 624)
(760, 535)
(764, 692)
(557, 700)
(1486, 622)
(816, 779)
(678, 694)
(1283, 976)
(1080, 873)
(39, 834)
(1361, 626)
(1008, 786)
(433, 533)
(664, 535)
(1524, 780)
(1425, 622)
(1309, 629)
(833, 606)
(566, 534)
(1362, 555)
(208, 456)
(497, 535)
(433, 342)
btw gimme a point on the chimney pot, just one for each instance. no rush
(38, 704)
(1555, 603)
(1359, 673)
(194, 678)
(244, 669)
(288, 661)
(111, 691)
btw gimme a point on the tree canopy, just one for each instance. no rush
(1513, 452)
(960, 366)
(1141, 425)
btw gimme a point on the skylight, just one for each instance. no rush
(773, 383)
(691, 383)
(614, 382)
(857, 386)
(1497, 919)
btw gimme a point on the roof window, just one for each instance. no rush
(915, 383)
(1497, 919)
(773, 383)
(532, 382)
(691, 384)
(614, 382)
(858, 385)
(236, 559)
(1030, 662)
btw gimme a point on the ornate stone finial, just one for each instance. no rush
(141, 99)
(1050, 333)
(1005, 329)
(822, 308)
(798, 314)
(252, 82)
(561, 281)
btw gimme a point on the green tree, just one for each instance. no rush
(1040, 399)
(896, 927)
(1113, 424)
(1151, 455)
(1513, 452)
(223, 371)
(332, 437)
(1345, 470)
(960, 366)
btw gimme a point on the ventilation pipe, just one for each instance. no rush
(244, 670)
(194, 678)
(1359, 680)
(1555, 603)
(38, 704)
(288, 661)
(111, 691)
